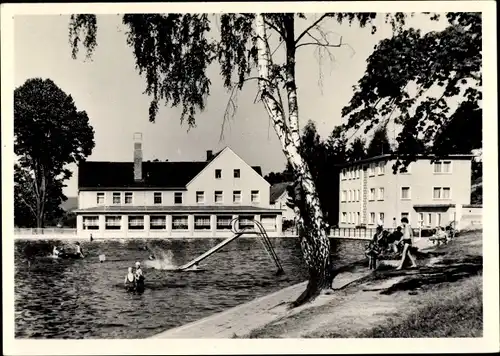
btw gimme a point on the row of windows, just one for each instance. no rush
(425, 219)
(353, 195)
(355, 172)
(178, 197)
(354, 218)
(179, 222)
(236, 173)
(439, 167)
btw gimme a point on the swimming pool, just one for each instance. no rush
(76, 299)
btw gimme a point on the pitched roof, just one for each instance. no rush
(277, 190)
(168, 175)
(70, 204)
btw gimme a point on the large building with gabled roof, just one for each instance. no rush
(172, 199)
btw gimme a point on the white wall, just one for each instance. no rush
(249, 180)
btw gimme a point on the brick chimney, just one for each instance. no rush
(209, 155)
(138, 157)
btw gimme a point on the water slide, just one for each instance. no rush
(209, 252)
(261, 234)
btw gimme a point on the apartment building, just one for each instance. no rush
(172, 199)
(428, 194)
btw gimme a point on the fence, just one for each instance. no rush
(44, 231)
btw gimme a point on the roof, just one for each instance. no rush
(120, 175)
(393, 156)
(277, 190)
(178, 209)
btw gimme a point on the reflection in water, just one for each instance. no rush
(86, 298)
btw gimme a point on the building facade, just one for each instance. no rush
(172, 199)
(279, 200)
(428, 194)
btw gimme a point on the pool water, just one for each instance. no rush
(75, 299)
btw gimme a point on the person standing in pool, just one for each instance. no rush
(130, 281)
(55, 252)
(139, 278)
(406, 240)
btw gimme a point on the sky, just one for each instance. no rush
(110, 90)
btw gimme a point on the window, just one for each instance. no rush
(441, 193)
(381, 168)
(254, 196)
(269, 222)
(344, 218)
(236, 173)
(421, 218)
(218, 197)
(218, 173)
(200, 197)
(237, 196)
(405, 193)
(113, 222)
(91, 222)
(442, 167)
(438, 215)
(405, 215)
(100, 198)
(358, 172)
(372, 194)
(128, 197)
(429, 219)
(342, 174)
(178, 198)
(343, 196)
(117, 198)
(356, 195)
(224, 222)
(358, 217)
(202, 222)
(371, 169)
(380, 194)
(158, 222)
(245, 222)
(157, 197)
(381, 217)
(179, 222)
(372, 218)
(136, 222)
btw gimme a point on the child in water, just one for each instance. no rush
(130, 281)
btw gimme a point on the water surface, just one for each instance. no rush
(86, 299)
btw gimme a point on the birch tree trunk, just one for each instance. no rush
(312, 230)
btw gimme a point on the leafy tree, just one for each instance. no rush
(417, 78)
(357, 150)
(379, 144)
(49, 133)
(173, 52)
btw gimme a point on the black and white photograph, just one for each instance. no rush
(206, 171)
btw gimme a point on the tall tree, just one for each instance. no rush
(49, 134)
(357, 149)
(425, 82)
(379, 144)
(173, 52)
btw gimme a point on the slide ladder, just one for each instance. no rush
(261, 234)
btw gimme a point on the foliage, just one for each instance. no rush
(379, 144)
(357, 150)
(417, 78)
(49, 134)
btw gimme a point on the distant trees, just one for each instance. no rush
(49, 134)
(379, 144)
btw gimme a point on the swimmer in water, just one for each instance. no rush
(55, 252)
(130, 281)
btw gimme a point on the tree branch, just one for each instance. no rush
(311, 27)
